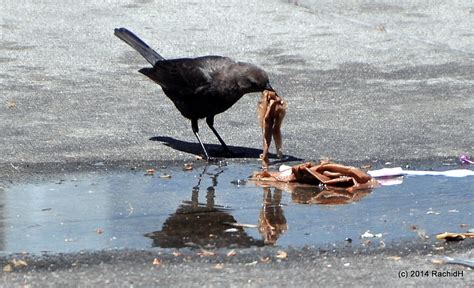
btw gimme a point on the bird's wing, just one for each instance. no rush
(186, 76)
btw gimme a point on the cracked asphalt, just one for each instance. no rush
(366, 81)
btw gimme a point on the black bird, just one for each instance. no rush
(199, 87)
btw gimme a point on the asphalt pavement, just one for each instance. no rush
(366, 81)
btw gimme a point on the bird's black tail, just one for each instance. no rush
(136, 43)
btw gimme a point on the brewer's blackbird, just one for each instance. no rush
(199, 87)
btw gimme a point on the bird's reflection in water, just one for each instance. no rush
(197, 224)
(272, 221)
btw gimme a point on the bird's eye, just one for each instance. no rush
(253, 82)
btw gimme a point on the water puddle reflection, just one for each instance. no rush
(215, 206)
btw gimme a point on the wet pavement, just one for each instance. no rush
(216, 206)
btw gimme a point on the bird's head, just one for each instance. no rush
(253, 79)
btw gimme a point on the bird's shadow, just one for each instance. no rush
(215, 150)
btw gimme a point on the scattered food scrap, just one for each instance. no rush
(454, 236)
(206, 253)
(367, 234)
(437, 261)
(188, 166)
(15, 263)
(219, 266)
(380, 28)
(19, 263)
(395, 258)
(231, 253)
(271, 110)
(165, 176)
(251, 263)
(366, 166)
(265, 259)
(11, 104)
(7, 268)
(150, 172)
(281, 254)
(156, 261)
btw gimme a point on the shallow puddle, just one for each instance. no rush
(217, 207)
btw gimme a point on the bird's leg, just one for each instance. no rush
(210, 123)
(194, 126)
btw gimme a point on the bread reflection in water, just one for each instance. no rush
(315, 195)
(272, 221)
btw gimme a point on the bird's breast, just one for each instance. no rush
(202, 105)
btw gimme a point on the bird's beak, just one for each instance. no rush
(269, 87)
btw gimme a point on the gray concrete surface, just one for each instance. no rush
(365, 81)
(249, 268)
